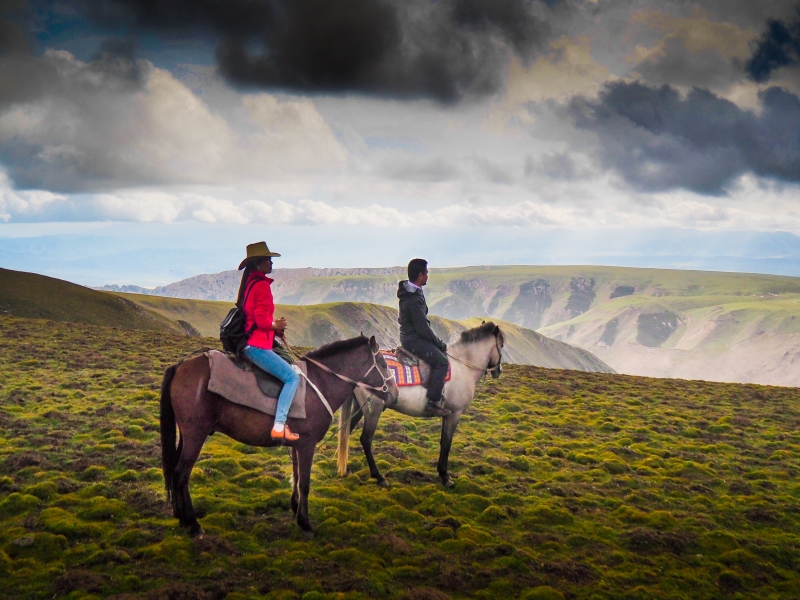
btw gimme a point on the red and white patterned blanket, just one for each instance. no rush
(405, 375)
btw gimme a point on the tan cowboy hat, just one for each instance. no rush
(257, 250)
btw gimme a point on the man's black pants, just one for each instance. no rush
(435, 358)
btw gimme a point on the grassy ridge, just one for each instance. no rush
(40, 297)
(569, 484)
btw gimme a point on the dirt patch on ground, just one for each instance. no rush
(77, 581)
(647, 541)
(179, 591)
(424, 593)
(214, 545)
(19, 461)
(572, 571)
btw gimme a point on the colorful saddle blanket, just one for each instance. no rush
(239, 385)
(405, 372)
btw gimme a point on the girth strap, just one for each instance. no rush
(316, 389)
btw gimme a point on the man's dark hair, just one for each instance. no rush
(416, 267)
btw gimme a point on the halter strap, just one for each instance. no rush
(486, 370)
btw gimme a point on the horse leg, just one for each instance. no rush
(190, 450)
(370, 425)
(305, 457)
(295, 479)
(449, 424)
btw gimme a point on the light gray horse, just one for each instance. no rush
(477, 352)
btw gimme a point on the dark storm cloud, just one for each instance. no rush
(777, 47)
(118, 56)
(680, 66)
(12, 36)
(657, 140)
(446, 50)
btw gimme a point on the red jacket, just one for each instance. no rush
(259, 308)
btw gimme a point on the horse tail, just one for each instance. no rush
(343, 452)
(169, 452)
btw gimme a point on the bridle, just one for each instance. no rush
(360, 383)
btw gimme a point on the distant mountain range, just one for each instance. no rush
(666, 323)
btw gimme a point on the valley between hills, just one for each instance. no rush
(732, 327)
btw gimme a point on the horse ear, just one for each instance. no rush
(483, 322)
(361, 333)
(373, 344)
(496, 330)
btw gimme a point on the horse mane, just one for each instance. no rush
(339, 347)
(476, 334)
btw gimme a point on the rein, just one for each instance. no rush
(360, 383)
(486, 370)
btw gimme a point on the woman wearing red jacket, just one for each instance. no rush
(259, 311)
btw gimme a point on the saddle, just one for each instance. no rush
(245, 384)
(270, 385)
(408, 369)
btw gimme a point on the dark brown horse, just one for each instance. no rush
(336, 369)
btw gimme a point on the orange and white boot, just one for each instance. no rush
(284, 434)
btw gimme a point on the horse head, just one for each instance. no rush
(497, 354)
(386, 390)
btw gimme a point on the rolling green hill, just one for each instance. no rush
(38, 297)
(319, 324)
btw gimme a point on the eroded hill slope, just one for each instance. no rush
(319, 324)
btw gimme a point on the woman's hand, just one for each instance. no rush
(279, 326)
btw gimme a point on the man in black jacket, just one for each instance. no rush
(416, 334)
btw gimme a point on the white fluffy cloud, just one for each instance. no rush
(94, 127)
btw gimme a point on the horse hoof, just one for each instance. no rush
(446, 481)
(308, 534)
(382, 483)
(197, 532)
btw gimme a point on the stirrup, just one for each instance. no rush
(434, 410)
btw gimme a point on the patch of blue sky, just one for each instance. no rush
(71, 31)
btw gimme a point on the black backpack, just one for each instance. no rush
(231, 330)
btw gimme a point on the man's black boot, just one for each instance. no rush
(435, 409)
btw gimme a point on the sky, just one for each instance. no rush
(367, 132)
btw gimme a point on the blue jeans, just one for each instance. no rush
(274, 364)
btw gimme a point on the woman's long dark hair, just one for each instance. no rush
(245, 276)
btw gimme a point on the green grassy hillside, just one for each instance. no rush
(36, 296)
(568, 485)
(319, 324)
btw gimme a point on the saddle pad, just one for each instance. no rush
(407, 375)
(240, 387)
